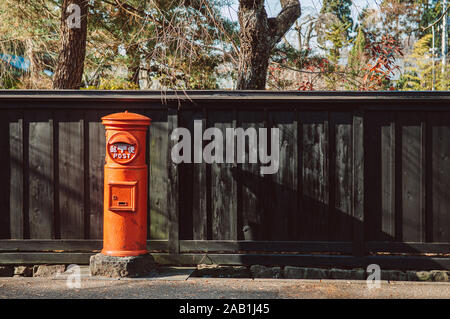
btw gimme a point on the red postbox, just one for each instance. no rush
(126, 186)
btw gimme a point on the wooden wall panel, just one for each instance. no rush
(97, 150)
(158, 181)
(71, 177)
(315, 179)
(40, 176)
(224, 184)
(16, 166)
(440, 177)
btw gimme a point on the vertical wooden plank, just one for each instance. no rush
(383, 163)
(425, 158)
(186, 177)
(5, 216)
(326, 170)
(266, 187)
(251, 182)
(373, 165)
(284, 182)
(16, 178)
(315, 176)
(173, 189)
(428, 178)
(398, 156)
(71, 178)
(224, 186)
(158, 181)
(41, 205)
(388, 179)
(97, 150)
(300, 150)
(342, 159)
(441, 177)
(199, 192)
(209, 204)
(412, 182)
(56, 188)
(86, 170)
(332, 213)
(358, 183)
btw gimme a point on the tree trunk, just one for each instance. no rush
(70, 64)
(258, 36)
(135, 64)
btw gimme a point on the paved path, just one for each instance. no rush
(21, 287)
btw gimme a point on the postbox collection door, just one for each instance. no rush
(122, 196)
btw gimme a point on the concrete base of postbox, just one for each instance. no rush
(120, 267)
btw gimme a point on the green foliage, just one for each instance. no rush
(337, 36)
(29, 28)
(430, 10)
(335, 28)
(10, 78)
(357, 61)
(114, 84)
(341, 9)
(418, 75)
(357, 54)
(409, 81)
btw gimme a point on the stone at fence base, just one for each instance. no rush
(260, 271)
(48, 270)
(216, 271)
(440, 275)
(412, 275)
(23, 271)
(424, 276)
(6, 271)
(119, 267)
(394, 275)
(434, 275)
(291, 272)
(360, 274)
(350, 274)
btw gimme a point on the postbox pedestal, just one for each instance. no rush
(118, 267)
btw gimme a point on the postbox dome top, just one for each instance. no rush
(126, 118)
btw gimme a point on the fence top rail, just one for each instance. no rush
(226, 99)
(217, 95)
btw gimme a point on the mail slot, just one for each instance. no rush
(125, 185)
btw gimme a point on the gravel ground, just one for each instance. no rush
(210, 288)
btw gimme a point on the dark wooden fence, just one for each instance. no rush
(363, 178)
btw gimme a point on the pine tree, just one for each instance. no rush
(70, 65)
(341, 9)
(418, 75)
(335, 27)
(356, 56)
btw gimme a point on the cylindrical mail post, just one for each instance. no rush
(125, 186)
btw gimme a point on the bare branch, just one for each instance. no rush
(290, 12)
